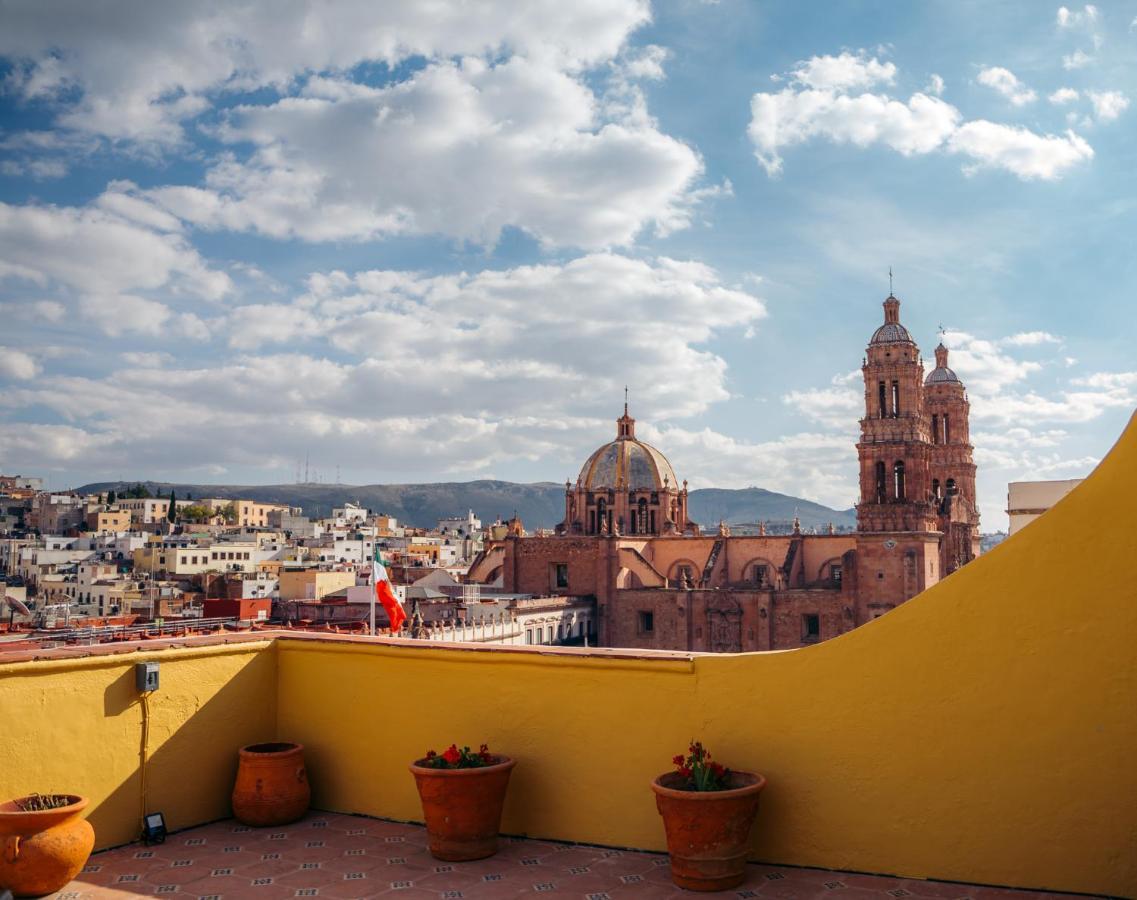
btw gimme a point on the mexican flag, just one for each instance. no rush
(386, 594)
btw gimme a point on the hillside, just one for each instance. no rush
(540, 505)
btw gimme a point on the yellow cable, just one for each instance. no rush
(142, 755)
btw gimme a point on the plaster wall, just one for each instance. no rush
(75, 726)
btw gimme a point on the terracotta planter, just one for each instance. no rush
(708, 832)
(462, 808)
(41, 851)
(272, 784)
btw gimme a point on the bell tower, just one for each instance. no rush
(895, 445)
(952, 470)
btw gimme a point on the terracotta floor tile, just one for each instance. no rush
(342, 857)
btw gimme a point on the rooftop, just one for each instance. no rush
(333, 855)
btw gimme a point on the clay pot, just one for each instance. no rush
(708, 832)
(42, 851)
(272, 784)
(462, 808)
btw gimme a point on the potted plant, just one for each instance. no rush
(707, 811)
(272, 784)
(44, 842)
(462, 794)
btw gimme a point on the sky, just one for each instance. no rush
(434, 242)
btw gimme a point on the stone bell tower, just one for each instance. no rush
(952, 470)
(895, 445)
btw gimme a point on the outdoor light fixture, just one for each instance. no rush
(153, 828)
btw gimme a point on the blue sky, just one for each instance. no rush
(420, 246)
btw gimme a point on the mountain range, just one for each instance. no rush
(539, 505)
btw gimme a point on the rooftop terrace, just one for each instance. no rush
(983, 732)
(331, 855)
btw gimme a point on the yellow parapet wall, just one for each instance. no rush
(75, 726)
(985, 731)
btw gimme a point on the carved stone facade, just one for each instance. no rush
(626, 538)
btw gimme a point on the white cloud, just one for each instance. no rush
(17, 364)
(793, 117)
(462, 149)
(1063, 95)
(1030, 339)
(1108, 105)
(1084, 17)
(432, 374)
(646, 62)
(1019, 150)
(146, 359)
(139, 71)
(105, 265)
(839, 406)
(1007, 84)
(1079, 59)
(843, 73)
(816, 466)
(922, 125)
(935, 85)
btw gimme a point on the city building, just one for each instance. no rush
(661, 583)
(1027, 500)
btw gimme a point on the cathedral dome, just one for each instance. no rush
(941, 374)
(891, 332)
(627, 464)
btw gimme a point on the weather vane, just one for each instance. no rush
(890, 281)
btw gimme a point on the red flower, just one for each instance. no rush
(452, 756)
(678, 760)
(430, 754)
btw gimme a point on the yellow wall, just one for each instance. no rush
(74, 726)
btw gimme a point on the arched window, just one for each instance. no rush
(935, 429)
(880, 489)
(950, 487)
(895, 398)
(936, 488)
(883, 402)
(898, 479)
(641, 515)
(947, 431)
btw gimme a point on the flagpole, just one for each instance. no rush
(372, 580)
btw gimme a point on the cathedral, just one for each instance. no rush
(659, 582)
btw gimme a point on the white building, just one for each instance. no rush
(1027, 500)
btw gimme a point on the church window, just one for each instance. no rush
(895, 398)
(950, 487)
(898, 479)
(653, 521)
(835, 574)
(560, 575)
(883, 404)
(935, 429)
(592, 521)
(880, 482)
(646, 622)
(936, 488)
(810, 627)
(947, 430)
(760, 575)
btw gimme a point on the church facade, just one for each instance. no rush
(661, 583)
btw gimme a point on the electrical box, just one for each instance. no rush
(146, 677)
